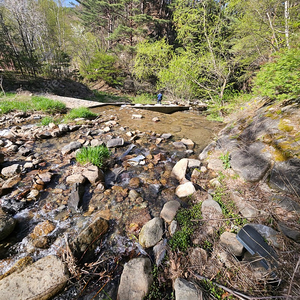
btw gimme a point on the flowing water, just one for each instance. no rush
(157, 186)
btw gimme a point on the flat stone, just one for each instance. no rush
(186, 290)
(151, 233)
(9, 183)
(185, 189)
(229, 240)
(39, 281)
(75, 178)
(193, 163)
(169, 210)
(160, 251)
(118, 142)
(166, 136)
(86, 239)
(246, 209)
(70, 147)
(11, 170)
(136, 279)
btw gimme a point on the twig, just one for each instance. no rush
(295, 270)
(236, 293)
(228, 219)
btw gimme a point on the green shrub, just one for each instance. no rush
(280, 78)
(80, 112)
(102, 66)
(144, 99)
(94, 155)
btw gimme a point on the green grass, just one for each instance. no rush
(11, 102)
(80, 112)
(47, 120)
(47, 105)
(94, 155)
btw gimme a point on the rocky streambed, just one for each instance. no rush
(158, 220)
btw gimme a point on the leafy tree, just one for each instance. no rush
(280, 78)
(151, 58)
(102, 66)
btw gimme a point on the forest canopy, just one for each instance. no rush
(205, 49)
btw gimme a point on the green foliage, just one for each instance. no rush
(94, 155)
(280, 78)
(80, 112)
(214, 290)
(225, 159)
(151, 58)
(144, 99)
(102, 66)
(182, 238)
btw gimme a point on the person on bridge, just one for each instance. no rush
(159, 98)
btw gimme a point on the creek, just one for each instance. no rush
(137, 184)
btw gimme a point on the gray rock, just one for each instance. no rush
(151, 233)
(251, 164)
(189, 143)
(204, 154)
(285, 176)
(118, 142)
(63, 127)
(286, 203)
(227, 143)
(173, 227)
(185, 190)
(179, 170)
(136, 279)
(215, 164)
(93, 174)
(211, 212)
(75, 178)
(70, 147)
(75, 198)
(166, 136)
(186, 290)
(39, 281)
(160, 251)
(179, 145)
(245, 208)
(7, 225)
(194, 163)
(229, 240)
(96, 142)
(289, 232)
(11, 170)
(268, 233)
(169, 210)
(85, 240)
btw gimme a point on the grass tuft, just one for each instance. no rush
(80, 112)
(94, 155)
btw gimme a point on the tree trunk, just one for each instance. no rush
(286, 18)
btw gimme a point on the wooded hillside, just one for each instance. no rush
(208, 49)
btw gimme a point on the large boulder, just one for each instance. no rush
(136, 279)
(40, 281)
(251, 163)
